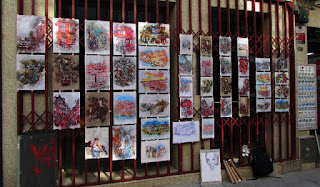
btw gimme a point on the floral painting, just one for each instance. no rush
(206, 86)
(96, 143)
(207, 107)
(242, 46)
(263, 91)
(263, 105)
(97, 109)
(185, 86)
(206, 66)
(31, 34)
(124, 142)
(154, 57)
(65, 35)
(244, 86)
(205, 45)
(124, 108)
(263, 77)
(124, 73)
(187, 131)
(185, 65)
(154, 34)
(154, 105)
(186, 44)
(124, 39)
(226, 86)
(224, 46)
(97, 72)
(155, 151)
(244, 106)
(30, 72)
(207, 128)
(262, 64)
(186, 107)
(155, 128)
(97, 37)
(225, 66)
(226, 107)
(243, 66)
(154, 81)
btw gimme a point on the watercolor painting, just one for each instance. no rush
(154, 105)
(97, 109)
(30, 72)
(226, 107)
(262, 64)
(186, 107)
(124, 142)
(263, 77)
(154, 34)
(243, 66)
(185, 86)
(224, 46)
(281, 77)
(205, 45)
(185, 65)
(124, 39)
(186, 44)
(96, 143)
(263, 91)
(206, 86)
(154, 57)
(210, 166)
(65, 35)
(206, 66)
(31, 34)
(281, 105)
(281, 91)
(187, 131)
(281, 64)
(225, 86)
(65, 72)
(242, 46)
(153, 81)
(207, 106)
(155, 128)
(124, 108)
(97, 37)
(263, 105)
(155, 151)
(66, 110)
(244, 106)
(207, 128)
(225, 66)
(244, 86)
(97, 72)
(124, 73)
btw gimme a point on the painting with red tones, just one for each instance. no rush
(244, 86)
(281, 77)
(66, 110)
(124, 39)
(31, 34)
(65, 35)
(207, 107)
(124, 73)
(124, 142)
(154, 57)
(263, 91)
(96, 143)
(186, 107)
(244, 106)
(243, 66)
(97, 72)
(154, 81)
(206, 66)
(124, 108)
(97, 37)
(154, 34)
(97, 109)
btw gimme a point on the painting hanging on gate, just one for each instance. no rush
(281, 91)
(185, 65)
(281, 105)
(206, 86)
(154, 105)
(263, 91)
(66, 110)
(226, 107)
(210, 166)
(225, 66)
(30, 72)
(155, 151)
(97, 109)
(226, 86)
(155, 128)
(244, 106)
(187, 131)
(206, 66)
(263, 105)
(65, 73)
(124, 108)
(65, 35)
(224, 46)
(96, 143)
(242, 46)
(97, 37)
(262, 64)
(205, 45)
(154, 57)
(281, 77)
(97, 72)
(244, 86)
(243, 66)
(153, 81)
(124, 142)
(154, 34)
(186, 107)
(186, 44)
(124, 73)
(31, 34)
(281, 64)
(263, 77)
(207, 128)
(207, 106)
(124, 39)
(185, 86)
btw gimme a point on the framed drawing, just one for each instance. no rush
(186, 44)
(155, 151)
(97, 37)
(205, 45)
(124, 142)
(154, 81)
(210, 166)
(155, 128)
(96, 143)
(124, 108)
(97, 111)
(224, 46)
(262, 64)
(186, 107)
(124, 39)
(207, 106)
(154, 57)
(206, 86)
(185, 65)
(281, 105)
(263, 105)
(225, 66)
(226, 107)
(207, 128)
(154, 105)
(154, 34)
(187, 131)
(124, 73)
(263, 77)
(263, 91)
(97, 72)
(65, 35)
(206, 66)
(185, 86)
(242, 46)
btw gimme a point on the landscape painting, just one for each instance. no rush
(124, 142)
(187, 131)
(97, 109)
(97, 71)
(65, 35)
(155, 128)
(124, 108)
(97, 37)
(154, 57)
(207, 128)
(124, 73)
(155, 151)
(154, 105)
(96, 143)
(154, 81)
(262, 64)
(281, 105)
(124, 39)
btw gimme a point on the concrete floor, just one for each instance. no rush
(310, 178)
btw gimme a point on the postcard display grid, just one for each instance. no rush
(306, 97)
(281, 85)
(263, 85)
(206, 87)
(154, 91)
(225, 76)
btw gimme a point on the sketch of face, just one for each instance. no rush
(212, 160)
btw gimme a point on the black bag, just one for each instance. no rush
(261, 163)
